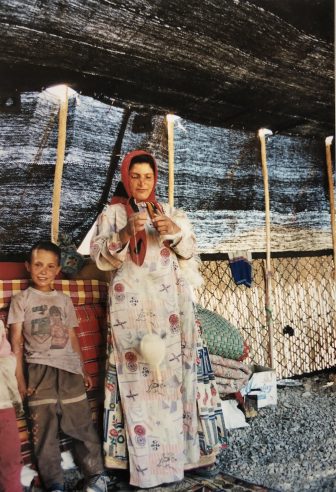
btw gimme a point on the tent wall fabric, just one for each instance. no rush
(218, 177)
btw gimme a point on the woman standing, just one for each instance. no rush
(152, 411)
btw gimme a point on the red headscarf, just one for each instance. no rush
(138, 243)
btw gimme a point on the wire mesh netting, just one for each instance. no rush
(303, 310)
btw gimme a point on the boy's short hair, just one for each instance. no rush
(47, 246)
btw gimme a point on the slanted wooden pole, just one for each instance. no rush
(268, 268)
(56, 201)
(170, 127)
(328, 142)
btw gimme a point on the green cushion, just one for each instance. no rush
(221, 337)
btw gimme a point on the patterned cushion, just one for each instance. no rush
(80, 291)
(91, 334)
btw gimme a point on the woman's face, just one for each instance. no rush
(141, 181)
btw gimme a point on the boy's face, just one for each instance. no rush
(43, 269)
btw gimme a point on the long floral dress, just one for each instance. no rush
(152, 417)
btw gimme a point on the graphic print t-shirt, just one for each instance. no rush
(47, 318)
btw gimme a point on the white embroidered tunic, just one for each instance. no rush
(159, 406)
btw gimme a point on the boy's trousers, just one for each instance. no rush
(59, 401)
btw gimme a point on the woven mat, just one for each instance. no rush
(194, 483)
(191, 483)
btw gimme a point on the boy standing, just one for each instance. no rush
(42, 324)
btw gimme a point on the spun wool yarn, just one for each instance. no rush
(152, 349)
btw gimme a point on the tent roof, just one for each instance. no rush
(231, 63)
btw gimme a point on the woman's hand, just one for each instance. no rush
(164, 225)
(135, 223)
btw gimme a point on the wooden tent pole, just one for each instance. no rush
(328, 142)
(268, 280)
(56, 201)
(170, 126)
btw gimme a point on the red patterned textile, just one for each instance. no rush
(91, 333)
(10, 461)
(81, 291)
(9, 288)
(246, 351)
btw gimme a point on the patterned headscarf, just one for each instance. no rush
(122, 194)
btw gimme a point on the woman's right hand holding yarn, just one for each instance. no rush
(135, 223)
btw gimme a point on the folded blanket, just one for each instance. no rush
(229, 386)
(231, 375)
